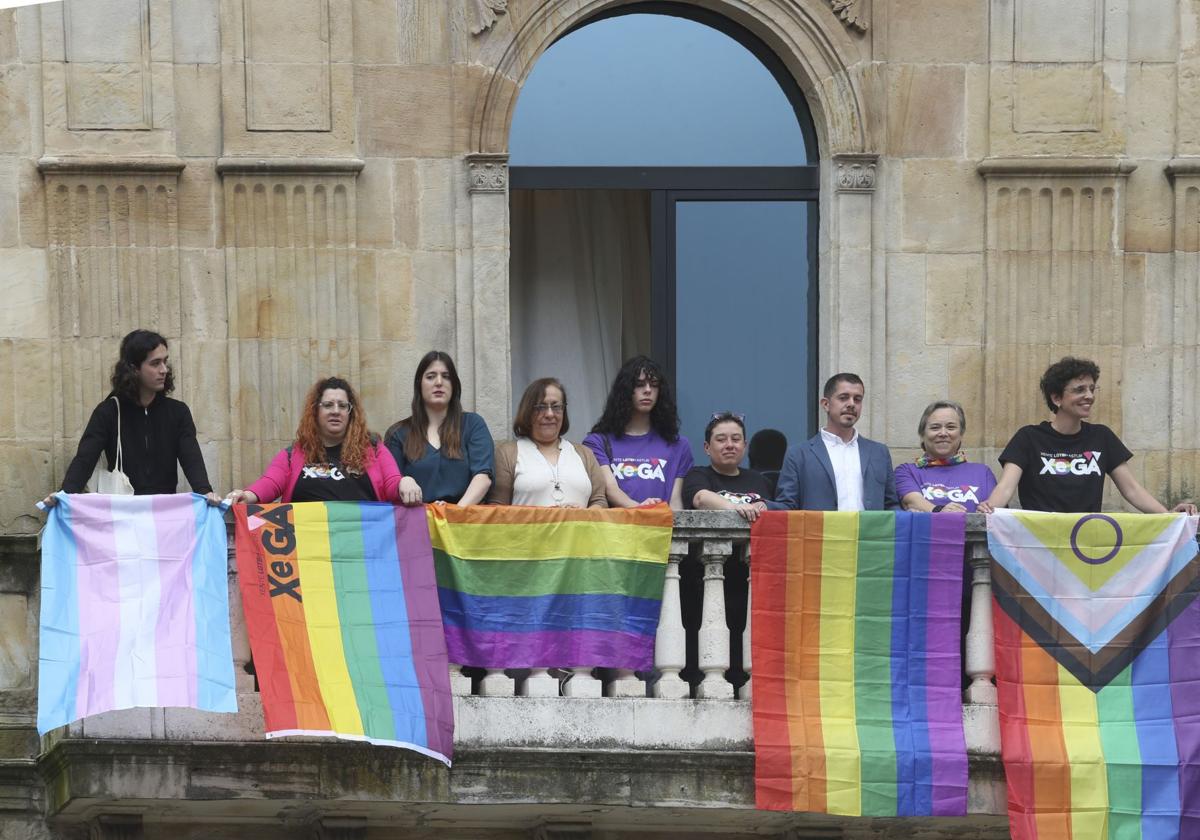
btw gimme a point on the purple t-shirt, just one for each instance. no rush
(968, 483)
(646, 466)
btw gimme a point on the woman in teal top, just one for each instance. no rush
(445, 454)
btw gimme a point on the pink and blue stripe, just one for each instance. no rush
(134, 607)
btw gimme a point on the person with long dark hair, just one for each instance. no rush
(637, 438)
(334, 458)
(445, 454)
(156, 432)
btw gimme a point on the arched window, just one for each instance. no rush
(663, 188)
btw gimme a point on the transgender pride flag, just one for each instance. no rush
(135, 607)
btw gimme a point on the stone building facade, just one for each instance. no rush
(290, 188)
(287, 188)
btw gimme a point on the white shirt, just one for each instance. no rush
(847, 469)
(534, 477)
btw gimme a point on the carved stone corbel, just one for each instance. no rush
(852, 12)
(488, 173)
(855, 172)
(485, 14)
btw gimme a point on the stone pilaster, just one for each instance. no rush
(482, 311)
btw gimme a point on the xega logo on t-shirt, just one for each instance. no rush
(1070, 463)
(324, 471)
(942, 493)
(640, 468)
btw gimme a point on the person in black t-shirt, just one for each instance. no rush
(724, 485)
(1059, 466)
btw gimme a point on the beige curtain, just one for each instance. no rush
(580, 291)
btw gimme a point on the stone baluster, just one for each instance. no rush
(496, 683)
(670, 644)
(714, 628)
(460, 683)
(981, 718)
(625, 683)
(581, 683)
(980, 653)
(747, 690)
(539, 683)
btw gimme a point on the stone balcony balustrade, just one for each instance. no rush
(536, 751)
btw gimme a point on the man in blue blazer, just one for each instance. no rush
(838, 469)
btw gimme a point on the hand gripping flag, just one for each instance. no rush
(1098, 673)
(342, 612)
(857, 665)
(135, 607)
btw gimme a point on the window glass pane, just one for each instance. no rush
(742, 316)
(653, 90)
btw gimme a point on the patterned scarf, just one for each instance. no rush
(923, 460)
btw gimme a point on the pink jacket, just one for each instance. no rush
(284, 471)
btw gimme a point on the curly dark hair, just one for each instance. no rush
(618, 408)
(1055, 379)
(135, 347)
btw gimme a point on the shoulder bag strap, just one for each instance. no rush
(120, 465)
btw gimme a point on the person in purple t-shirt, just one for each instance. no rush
(637, 438)
(942, 479)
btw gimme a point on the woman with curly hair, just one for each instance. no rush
(150, 431)
(446, 454)
(637, 438)
(333, 459)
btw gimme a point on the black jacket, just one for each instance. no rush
(153, 438)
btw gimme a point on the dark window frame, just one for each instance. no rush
(668, 185)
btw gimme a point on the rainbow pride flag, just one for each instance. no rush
(526, 587)
(135, 607)
(1098, 673)
(857, 670)
(341, 608)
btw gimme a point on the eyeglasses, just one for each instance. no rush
(330, 405)
(728, 415)
(553, 408)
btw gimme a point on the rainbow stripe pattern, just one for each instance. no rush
(342, 613)
(857, 670)
(526, 587)
(134, 607)
(1098, 674)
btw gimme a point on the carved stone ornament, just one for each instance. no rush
(856, 174)
(489, 173)
(485, 14)
(853, 12)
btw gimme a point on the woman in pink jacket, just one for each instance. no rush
(333, 459)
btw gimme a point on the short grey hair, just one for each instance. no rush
(934, 406)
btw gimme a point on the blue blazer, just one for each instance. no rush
(806, 480)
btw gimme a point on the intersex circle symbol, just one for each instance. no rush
(1118, 539)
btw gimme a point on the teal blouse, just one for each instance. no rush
(446, 479)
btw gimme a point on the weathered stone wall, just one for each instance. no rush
(288, 189)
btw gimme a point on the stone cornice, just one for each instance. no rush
(1055, 167)
(1183, 167)
(104, 164)
(289, 165)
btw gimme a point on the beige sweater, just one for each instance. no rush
(506, 465)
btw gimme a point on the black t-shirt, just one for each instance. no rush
(745, 488)
(1064, 473)
(329, 482)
